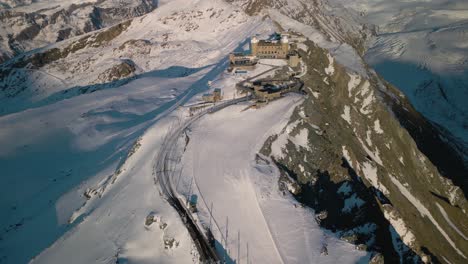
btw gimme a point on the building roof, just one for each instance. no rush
(269, 43)
(241, 55)
(270, 89)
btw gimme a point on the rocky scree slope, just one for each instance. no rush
(420, 47)
(30, 25)
(426, 59)
(362, 171)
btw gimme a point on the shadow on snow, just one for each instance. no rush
(39, 174)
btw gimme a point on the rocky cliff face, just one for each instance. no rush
(363, 171)
(24, 29)
(376, 171)
(27, 76)
(420, 48)
(14, 3)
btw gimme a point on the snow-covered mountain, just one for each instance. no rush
(322, 172)
(27, 25)
(77, 109)
(350, 172)
(421, 47)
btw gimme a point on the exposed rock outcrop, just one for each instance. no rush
(364, 168)
(24, 30)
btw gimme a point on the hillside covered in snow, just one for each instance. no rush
(77, 112)
(28, 25)
(110, 151)
(421, 47)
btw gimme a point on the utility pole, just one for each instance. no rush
(226, 239)
(211, 215)
(224, 251)
(238, 247)
(178, 180)
(248, 262)
(190, 191)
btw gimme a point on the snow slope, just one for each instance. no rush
(70, 147)
(77, 144)
(221, 155)
(78, 165)
(113, 229)
(173, 36)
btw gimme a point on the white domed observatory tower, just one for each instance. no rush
(254, 46)
(285, 44)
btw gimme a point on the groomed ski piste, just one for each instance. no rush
(95, 211)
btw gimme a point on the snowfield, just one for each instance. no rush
(221, 156)
(174, 40)
(113, 228)
(67, 182)
(76, 145)
(78, 149)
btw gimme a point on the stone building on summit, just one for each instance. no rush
(270, 49)
(277, 47)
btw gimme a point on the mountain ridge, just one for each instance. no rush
(355, 149)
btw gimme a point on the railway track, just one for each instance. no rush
(164, 169)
